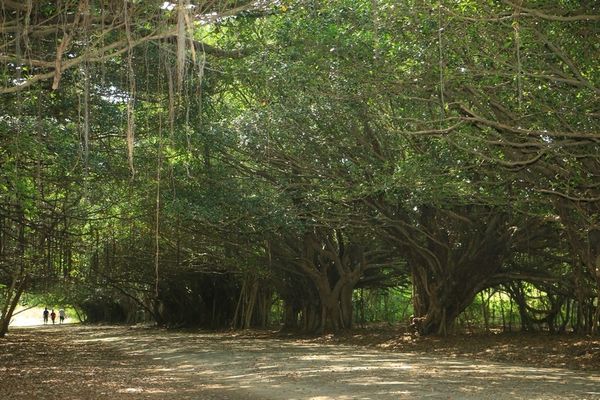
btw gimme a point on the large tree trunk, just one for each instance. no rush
(329, 265)
(437, 301)
(346, 306)
(336, 303)
(584, 242)
(312, 318)
(19, 280)
(334, 267)
(446, 275)
(12, 300)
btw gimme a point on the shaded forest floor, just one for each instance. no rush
(576, 352)
(118, 363)
(46, 363)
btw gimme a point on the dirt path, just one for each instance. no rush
(121, 363)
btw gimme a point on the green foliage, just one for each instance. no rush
(393, 305)
(405, 129)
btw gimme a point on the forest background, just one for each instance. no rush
(309, 164)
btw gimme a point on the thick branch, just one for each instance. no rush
(551, 17)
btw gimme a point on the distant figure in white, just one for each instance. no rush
(61, 315)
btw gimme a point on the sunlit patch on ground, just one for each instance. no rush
(122, 363)
(34, 316)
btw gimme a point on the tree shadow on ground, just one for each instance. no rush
(267, 368)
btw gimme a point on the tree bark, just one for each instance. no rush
(446, 275)
(12, 300)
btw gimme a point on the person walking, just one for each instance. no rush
(53, 317)
(61, 316)
(46, 312)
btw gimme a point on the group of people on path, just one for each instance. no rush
(61, 316)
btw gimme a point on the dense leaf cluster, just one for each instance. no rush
(208, 163)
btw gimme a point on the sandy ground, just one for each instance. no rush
(135, 363)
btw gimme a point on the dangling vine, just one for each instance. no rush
(131, 96)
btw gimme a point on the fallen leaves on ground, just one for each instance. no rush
(60, 364)
(538, 349)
